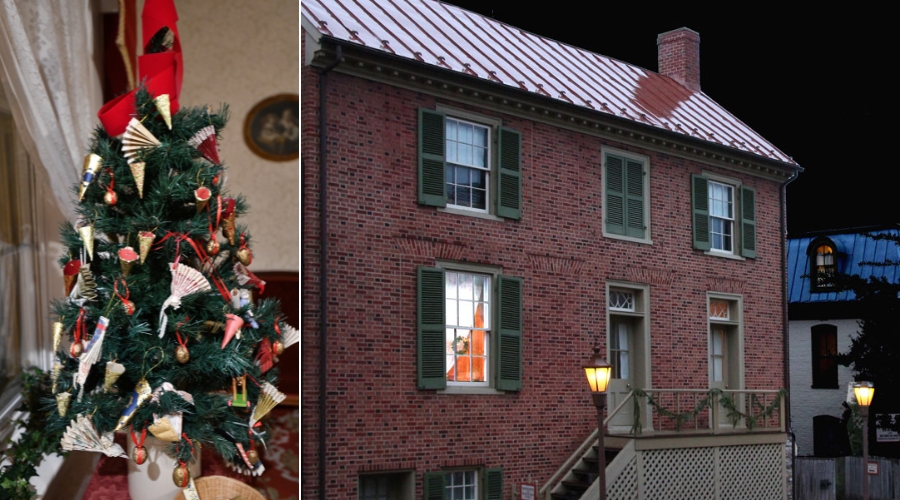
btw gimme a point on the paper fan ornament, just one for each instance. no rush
(136, 139)
(185, 281)
(91, 354)
(81, 435)
(269, 397)
(205, 142)
(247, 278)
(291, 337)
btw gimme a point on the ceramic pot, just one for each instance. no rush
(152, 480)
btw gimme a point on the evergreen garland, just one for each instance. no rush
(727, 402)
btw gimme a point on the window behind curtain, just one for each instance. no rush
(824, 350)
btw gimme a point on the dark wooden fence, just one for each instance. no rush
(841, 479)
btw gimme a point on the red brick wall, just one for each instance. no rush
(377, 418)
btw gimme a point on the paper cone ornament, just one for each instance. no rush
(145, 238)
(87, 236)
(127, 258)
(137, 170)
(113, 372)
(136, 139)
(269, 397)
(57, 335)
(70, 273)
(54, 378)
(246, 278)
(92, 164)
(164, 106)
(62, 403)
(205, 142)
(167, 428)
(185, 281)
(232, 325)
(139, 396)
(202, 194)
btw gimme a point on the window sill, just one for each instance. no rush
(470, 213)
(643, 241)
(724, 255)
(458, 389)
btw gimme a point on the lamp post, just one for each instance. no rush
(864, 392)
(597, 372)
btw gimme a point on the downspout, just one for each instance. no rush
(323, 269)
(785, 326)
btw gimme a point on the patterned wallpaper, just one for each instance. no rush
(241, 52)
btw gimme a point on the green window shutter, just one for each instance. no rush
(493, 484)
(700, 210)
(433, 487)
(431, 158)
(615, 195)
(634, 199)
(748, 222)
(509, 334)
(431, 325)
(509, 174)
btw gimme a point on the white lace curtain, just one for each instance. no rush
(51, 88)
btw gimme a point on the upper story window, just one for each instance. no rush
(822, 265)
(626, 198)
(469, 164)
(724, 216)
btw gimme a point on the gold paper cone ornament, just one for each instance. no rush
(145, 238)
(87, 236)
(137, 170)
(165, 108)
(92, 164)
(57, 369)
(57, 335)
(113, 372)
(62, 403)
(136, 139)
(127, 258)
(202, 194)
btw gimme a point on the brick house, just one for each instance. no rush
(496, 204)
(822, 321)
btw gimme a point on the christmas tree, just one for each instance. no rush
(159, 334)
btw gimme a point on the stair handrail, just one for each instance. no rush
(544, 492)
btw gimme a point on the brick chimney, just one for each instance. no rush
(679, 56)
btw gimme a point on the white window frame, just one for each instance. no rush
(493, 126)
(449, 486)
(486, 387)
(735, 321)
(735, 185)
(645, 161)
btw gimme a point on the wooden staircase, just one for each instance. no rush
(582, 474)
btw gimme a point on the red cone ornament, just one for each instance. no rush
(70, 273)
(205, 142)
(232, 325)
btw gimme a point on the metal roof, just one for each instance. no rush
(448, 37)
(853, 248)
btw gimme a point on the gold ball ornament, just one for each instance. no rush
(278, 347)
(182, 355)
(212, 246)
(253, 457)
(245, 256)
(139, 455)
(181, 476)
(76, 349)
(110, 198)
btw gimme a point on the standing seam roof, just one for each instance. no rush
(448, 37)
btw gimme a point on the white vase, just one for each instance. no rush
(152, 480)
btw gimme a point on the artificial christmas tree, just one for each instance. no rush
(164, 340)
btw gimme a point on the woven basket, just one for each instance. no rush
(222, 488)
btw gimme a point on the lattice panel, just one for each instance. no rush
(625, 486)
(680, 474)
(751, 472)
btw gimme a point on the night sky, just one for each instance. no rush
(817, 84)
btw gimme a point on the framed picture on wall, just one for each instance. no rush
(272, 128)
